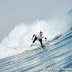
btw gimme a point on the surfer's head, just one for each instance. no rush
(41, 33)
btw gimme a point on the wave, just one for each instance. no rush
(22, 33)
(55, 58)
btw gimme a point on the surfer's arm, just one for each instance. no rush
(45, 39)
(33, 36)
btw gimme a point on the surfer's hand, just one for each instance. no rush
(32, 39)
(31, 45)
(45, 40)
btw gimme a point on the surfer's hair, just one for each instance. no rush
(41, 32)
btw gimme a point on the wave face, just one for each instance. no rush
(57, 56)
(22, 33)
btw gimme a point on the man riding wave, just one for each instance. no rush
(38, 37)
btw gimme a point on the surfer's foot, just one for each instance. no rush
(43, 46)
(31, 45)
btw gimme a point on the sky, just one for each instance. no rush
(14, 12)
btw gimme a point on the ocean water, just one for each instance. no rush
(56, 57)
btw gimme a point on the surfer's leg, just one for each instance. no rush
(40, 41)
(34, 40)
(42, 44)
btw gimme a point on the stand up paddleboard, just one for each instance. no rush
(19, 48)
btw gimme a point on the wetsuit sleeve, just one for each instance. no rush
(33, 35)
(45, 38)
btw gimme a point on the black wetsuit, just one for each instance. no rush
(39, 40)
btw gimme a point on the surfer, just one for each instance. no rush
(39, 37)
